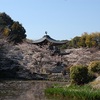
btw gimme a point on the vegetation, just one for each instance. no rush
(85, 40)
(79, 74)
(12, 30)
(17, 33)
(5, 19)
(73, 92)
(78, 89)
(94, 67)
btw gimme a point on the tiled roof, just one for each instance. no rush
(49, 39)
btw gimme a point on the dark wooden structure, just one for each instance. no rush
(50, 43)
(46, 39)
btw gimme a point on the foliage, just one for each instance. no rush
(91, 76)
(17, 33)
(5, 19)
(79, 74)
(64, 46)
(83, 39)
(86, 40)
(13, 31)
(94, 66)
(6, 31)
(73, 92)
(75, 42)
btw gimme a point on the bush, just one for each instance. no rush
(94, 67)
(79, 74)
(91, 76)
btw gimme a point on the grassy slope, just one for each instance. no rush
(74, 92)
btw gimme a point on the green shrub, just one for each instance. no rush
(79, 74)
(91, 76)
(94, 67)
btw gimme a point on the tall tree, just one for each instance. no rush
(13, 31)
(17, 33)
(75, 41)
(5, 19)
(83, 39)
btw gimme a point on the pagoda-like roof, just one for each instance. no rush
(48, 39)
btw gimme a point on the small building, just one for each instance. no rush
(47, 40)
(52, 44)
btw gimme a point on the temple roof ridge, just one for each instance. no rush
(49, 39)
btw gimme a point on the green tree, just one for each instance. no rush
(83, 39)
(13, 31)
(88, 40)
(6, 31)
(75, 41)
(17, 33)
(96, 38)
(5, 19)
(94, 67)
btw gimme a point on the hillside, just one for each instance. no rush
(82, 55)
(19, 58)
(29, 61)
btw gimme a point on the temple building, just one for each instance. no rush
(50, 43)
(47, 40)
(53, 48)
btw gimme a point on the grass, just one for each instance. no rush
(73, 92)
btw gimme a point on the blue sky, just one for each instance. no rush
(62, 19)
